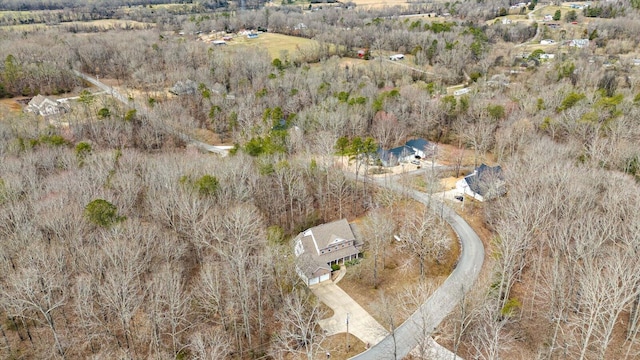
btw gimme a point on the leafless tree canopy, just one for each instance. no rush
(190, 255)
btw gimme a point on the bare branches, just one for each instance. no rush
(299, 332)
(425, 236)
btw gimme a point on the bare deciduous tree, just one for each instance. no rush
(377, 229)
(425, 236)
(299, 331)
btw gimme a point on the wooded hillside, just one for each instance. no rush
(119, 239)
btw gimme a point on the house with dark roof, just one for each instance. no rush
(412, 149)
(317, 248)
(44, 106)
(422, 147)
(484, 183)
(395, 156)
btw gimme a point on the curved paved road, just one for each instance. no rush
(429, 315)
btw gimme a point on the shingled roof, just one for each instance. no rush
(318, 246)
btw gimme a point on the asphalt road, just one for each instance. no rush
(429, 315)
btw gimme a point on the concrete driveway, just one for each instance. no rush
(361, 324)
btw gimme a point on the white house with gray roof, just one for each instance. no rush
(45, 107)
(317, 248)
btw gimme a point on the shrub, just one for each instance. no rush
(130, 115)
(104, 113)
(352, 262)
(335, 267)
(55, 140)
(207, 185)
(570, 101)
(496, 112)
(102, 213)
(82, 150)
(571, 16)
(511, 306)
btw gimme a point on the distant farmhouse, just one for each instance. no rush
(187, 87)
(44, 106)
(485, 183)
(412, 149)
(319, 247)
(579, 43)
(462, 91)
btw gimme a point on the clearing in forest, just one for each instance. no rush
(275, 44)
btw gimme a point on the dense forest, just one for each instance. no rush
(121, 240)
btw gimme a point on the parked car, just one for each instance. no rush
(396, 57)
(459, 197)
(415, 162)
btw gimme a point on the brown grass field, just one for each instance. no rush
(275, 44)
(380, 3)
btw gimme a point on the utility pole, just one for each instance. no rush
(348, 348)
(442, 207)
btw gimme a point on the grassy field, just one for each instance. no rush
(380, 3)
(275, 44)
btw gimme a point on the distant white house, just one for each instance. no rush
(547, 56)
(396, 57)
(547, 42)
(219, 42)
(44, 106)
(461, 91)
(579, 43)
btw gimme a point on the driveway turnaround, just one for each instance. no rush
(361, 324)
(429, 315)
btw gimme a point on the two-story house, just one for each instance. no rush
(317, 248)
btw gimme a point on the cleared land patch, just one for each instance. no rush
(275, 44)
